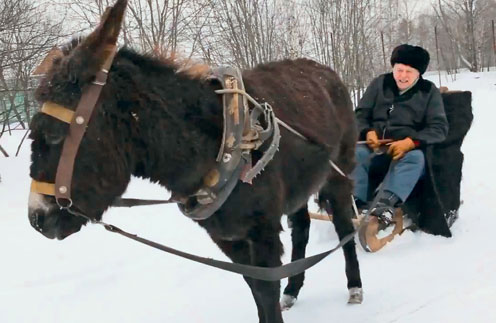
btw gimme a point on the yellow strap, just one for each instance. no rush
(42, 188)
(57, 111)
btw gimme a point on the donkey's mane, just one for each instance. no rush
(186, 66)
(68, 47)
(192, 68)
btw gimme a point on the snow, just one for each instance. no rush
(101, 277)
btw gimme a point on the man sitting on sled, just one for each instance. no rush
(406, 109)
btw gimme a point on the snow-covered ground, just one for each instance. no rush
(95, 276)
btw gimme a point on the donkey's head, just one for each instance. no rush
(100, 171)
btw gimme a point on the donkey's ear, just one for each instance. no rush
(107, 32)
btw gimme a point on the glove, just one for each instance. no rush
(399, 148)
(372, 140)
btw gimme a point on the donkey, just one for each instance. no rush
(156, 121)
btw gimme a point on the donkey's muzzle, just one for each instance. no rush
(43, 223)
(36, 218)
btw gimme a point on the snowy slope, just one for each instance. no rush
(95, 276)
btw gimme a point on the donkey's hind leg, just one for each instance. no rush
(300, 225)
(337, 194)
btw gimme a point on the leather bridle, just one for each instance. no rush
(78, 122)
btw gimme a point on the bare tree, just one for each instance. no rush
(160, 27)
(345, 37)
(468, 36)
(23, 42)
(294, 35)
(249, 32)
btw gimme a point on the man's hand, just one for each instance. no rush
(372, 140)
(399, 148)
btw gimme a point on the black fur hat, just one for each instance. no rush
(414, 56)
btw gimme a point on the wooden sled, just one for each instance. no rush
(328, 217)
(369, 232)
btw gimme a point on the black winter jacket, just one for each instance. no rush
(418, 113)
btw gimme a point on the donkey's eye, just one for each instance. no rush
(53, 139)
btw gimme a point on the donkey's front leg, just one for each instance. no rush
(265, 251)
(300, 225)
(239, 252)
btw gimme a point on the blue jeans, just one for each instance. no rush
(401, 178)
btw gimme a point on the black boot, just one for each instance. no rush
(384, 209)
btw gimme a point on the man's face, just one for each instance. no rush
(404, 75)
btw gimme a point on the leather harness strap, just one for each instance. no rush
(43, 188)
(231, 160)
(57, 111)
(79, 122)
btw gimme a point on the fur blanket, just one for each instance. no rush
(435, 200)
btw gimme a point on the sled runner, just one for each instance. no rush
(433, 205)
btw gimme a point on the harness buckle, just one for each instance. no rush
(62, 205)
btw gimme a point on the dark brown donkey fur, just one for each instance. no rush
(156, 122)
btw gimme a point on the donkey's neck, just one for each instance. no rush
(176, 122)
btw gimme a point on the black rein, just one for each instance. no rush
(256, 272)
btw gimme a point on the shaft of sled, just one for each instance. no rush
(381, 141)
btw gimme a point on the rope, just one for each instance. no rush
(252, 100)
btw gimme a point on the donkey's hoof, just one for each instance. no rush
(290, 223)
(356, 295)
(287, 301)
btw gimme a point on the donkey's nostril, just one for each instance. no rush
(36, 218)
